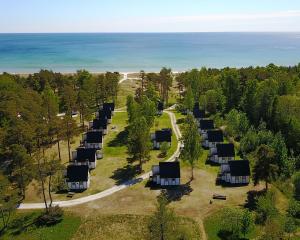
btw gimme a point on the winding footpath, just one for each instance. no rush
(116, 188)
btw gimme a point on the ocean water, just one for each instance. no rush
(129, 52)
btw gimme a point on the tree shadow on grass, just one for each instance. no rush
(126, 173)
(251, 202)
(120, 139)
(227, 235)
(22, 224)
(180, 121)
(172, 193)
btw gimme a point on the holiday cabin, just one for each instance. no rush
(164, 135)
(77, 177)
(205, 125)
(166, 174)
(92, 139)
(109, 107)
(198, 114)
(99, 125)
(160, 108)
(214, 137)
(225, 152)
(104, 113)
(236, 172)
(85, 156)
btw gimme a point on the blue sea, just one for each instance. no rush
(129, 52)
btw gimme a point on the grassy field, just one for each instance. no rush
(212, 226)
(64, 230)
(93, 227)
(124, 227)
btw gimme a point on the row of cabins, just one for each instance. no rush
(231, 171)
(165, 173)
(84, 159)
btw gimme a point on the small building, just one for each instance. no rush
(109, 107)
(236, 172)
(78, 177)
(86, 156)
(199, 114)
(225, 152)
(99, 125)
(166, 174)
(204, 126)
(93, 139)
(164, 135)
(214, 137)
(160, 108)
(104, 114)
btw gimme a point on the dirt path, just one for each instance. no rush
(202, 229)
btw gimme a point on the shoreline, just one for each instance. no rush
(25, 74)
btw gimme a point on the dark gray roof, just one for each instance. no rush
(77, 173)
(169, 170)
(105, 113)
(196, 106)
(160, 106)
(239, 168)
(215, 136)
(86, 154)
(199, 113)
(206, 124)
(100, 123)
(109, 106)
(225, 150)
(164, 135)
(94, 137)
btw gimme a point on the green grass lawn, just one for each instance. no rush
(64, 230)
(93, 227)
(212, 227)
(125, 227)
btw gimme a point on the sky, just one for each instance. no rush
(149, 16)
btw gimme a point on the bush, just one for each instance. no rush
(52, 217)
(294, 209)
(296, 181)
(164, 148)
(266, 207)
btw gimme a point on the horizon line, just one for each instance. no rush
(150, 32)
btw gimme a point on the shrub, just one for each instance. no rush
(52, 217)
(164, 148)
(266, 207)
(294, 209)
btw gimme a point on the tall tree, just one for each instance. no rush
(162, 224)
(53, 167)
(189, 100)
(166, 79)
(192, 143)
(231, 87)
(142, 76)
(265, 165)
(69, 131)
(50, 102)
(8, 200)
(139, 144)
(21, 167)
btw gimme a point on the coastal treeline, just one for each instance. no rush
(258, 109)
(37, 112)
